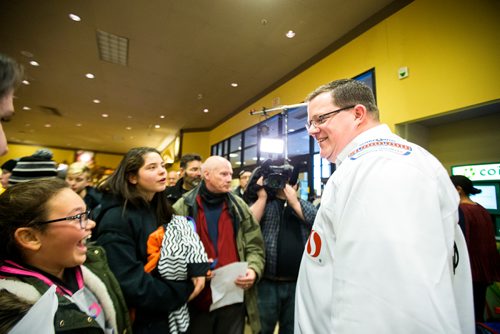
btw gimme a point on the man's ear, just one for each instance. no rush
(28, 237)
(360, 112)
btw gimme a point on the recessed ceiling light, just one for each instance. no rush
(128, 128)
(129, 117)
(48, 125)
(205, 110)
(78, 124)
(290, 34)
(75, 17)
(90, 75)
(27, 124)
(105, 115)
(162, 116)
(234, 84)
(157, 126)
(96, 101)
(26, 82)
(34, 63)
(26, 108)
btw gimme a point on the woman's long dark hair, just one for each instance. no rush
(118, 184)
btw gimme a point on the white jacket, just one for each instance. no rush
(380, 256)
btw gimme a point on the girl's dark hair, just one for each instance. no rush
(23, 205)
(118, 184)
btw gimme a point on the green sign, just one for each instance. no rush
(482, 172)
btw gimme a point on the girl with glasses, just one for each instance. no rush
(50, 278)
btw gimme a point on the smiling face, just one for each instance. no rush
(337, 131)
(151, 177)
(61, 244)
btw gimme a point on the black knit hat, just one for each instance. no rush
(465, 184)
(29, 168)
(9, 165)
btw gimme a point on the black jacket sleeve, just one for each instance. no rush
(124, 239)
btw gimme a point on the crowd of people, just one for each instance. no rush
(144, 250)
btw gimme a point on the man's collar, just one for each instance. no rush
(380, 129)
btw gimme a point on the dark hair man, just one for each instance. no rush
(11, 74)
(382, 254)
(190, 177)
(229, 234)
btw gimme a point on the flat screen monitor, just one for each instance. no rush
(488, 197)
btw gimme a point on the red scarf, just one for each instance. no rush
(227, 251)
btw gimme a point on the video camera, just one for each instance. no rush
(276, 177)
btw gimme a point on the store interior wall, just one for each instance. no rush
(451, 65)
(472, 141)
(451, 51)
(61, 155)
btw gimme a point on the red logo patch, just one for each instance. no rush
(313, 247)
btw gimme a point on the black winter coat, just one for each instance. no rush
(124, 235)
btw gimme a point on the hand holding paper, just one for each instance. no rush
(223, 284)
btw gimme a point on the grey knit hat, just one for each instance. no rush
(29, 168)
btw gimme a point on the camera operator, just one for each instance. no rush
(286, 222)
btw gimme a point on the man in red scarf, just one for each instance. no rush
(229, 233)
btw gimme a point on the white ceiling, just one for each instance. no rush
(183, 55)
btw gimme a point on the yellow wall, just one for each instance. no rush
(196, 142)
(108, 160)
(450, 47)
(60, 155)
(467, 142)
(19, 151)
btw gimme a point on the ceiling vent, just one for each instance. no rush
(112, 48)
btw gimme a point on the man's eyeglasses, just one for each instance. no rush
(323, 117)
(82, 218)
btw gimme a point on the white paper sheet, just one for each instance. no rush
(224, 291)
